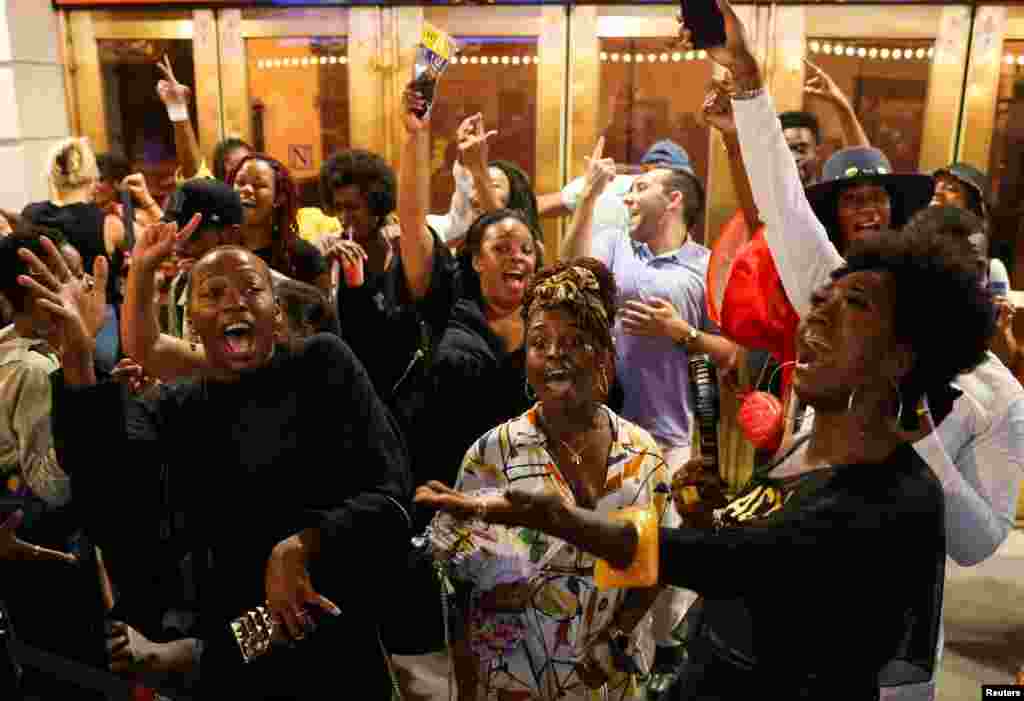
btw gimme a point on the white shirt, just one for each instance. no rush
(610, 214)
(977, 452)
(454, 225)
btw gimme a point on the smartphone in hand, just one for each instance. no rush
(705, 22)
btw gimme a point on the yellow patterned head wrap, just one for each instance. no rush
(577, 289)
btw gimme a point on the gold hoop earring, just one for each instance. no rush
(899, 400)
(604, 387)
(849, 404)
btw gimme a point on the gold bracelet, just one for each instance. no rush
(480, 507)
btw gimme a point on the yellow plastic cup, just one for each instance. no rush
(643, 571)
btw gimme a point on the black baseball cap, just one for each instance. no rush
(219, 204)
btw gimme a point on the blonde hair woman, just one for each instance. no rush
(72, 175)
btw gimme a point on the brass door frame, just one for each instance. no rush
(85, 28)
(234, 26)
(550, 25)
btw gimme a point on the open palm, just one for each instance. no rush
(77, 305)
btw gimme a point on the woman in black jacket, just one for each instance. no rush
(282, 524)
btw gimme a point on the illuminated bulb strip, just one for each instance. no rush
(307, 61)
(874, 52)
(674, 57)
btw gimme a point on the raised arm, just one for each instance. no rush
(552, 205)
(820, 85)
(161, 355)
(416, 242)
(800, 246)
(175, 97)
(579, 240)
(718, 113)
(473, 148)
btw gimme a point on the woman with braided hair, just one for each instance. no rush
(270, 229)
(549, 633)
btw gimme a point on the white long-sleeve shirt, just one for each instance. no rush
(454, 225)
(977, 452)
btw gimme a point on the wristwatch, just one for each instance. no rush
(691, 336)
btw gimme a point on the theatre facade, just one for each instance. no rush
(931, 83)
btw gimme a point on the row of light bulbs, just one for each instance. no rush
(815, 47)
(653, 58)
(495, 60)
(298, 62)
(342, 60)
(872, 52)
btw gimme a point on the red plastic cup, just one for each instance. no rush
(354, 275)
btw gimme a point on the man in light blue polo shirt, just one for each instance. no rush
(610, 213)
(660, 272)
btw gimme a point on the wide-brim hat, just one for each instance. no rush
(908, 192)
(972, 178)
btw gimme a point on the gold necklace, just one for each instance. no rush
(577, 457)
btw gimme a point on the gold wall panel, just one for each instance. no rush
(983, 75)
(942, 109)
(205, 50)
(367, 70)
(88, 79)
(552, 46)
(234, 76)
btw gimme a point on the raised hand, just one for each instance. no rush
(736, 54)
(717, 108)
(14, 548)
(170, 91)
(473, 141)
(78, 306)
(819, 84)
(157, 242)
(600, 171)
(413, 102)
(136, 185)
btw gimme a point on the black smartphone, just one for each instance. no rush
(705, 22)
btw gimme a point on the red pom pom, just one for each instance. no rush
(760, 419)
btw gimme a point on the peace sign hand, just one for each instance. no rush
(600, 171)
(820, 84)
(157, 242)
(717, 108)
(170, 91)
(473, 140)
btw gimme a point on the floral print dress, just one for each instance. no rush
(532, 653)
